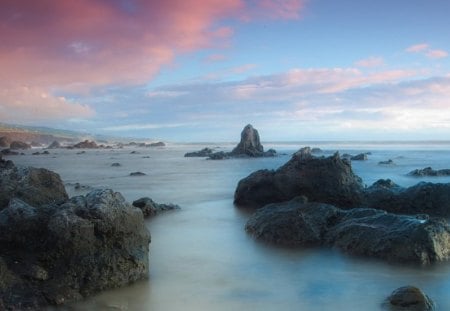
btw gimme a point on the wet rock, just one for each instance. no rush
(316, 150)
(8, 152)
(321, 179)
(56, 253)
(409, 298)
(359, 157)
(205, 152)
(388, 162)
(151, 208)
(428, 171)
(116, 164)
(220, 155)
(18, 145)
(54, 145)
(137, 174)
(86, 145)
(36, 186)
(359, 231)
(158, 144)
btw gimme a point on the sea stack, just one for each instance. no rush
(250, 144)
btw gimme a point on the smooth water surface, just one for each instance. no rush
(202, 259)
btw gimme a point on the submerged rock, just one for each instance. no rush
(151, 208)
(428, 171)
(409, 298)
(321, 179)
(56, 253)
(359, 231)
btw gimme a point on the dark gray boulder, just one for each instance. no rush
(428, 171)
(359, 231)
(250, 144)
(36, 186)
(151, 208)
(19, 145)
(409, 298)
(321, 179)
(205, 152)
(56, 253)
(137, 174)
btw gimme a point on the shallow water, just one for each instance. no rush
(201, 257)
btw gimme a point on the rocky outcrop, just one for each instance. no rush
(321, 179)
(35, 186)
(151, 208)
(428, 171)
(4, 142)
(359, 157)
(86, 145)
(205, 152)
(8, 152)
(158, 144)
(359, 231)
(54, 145)
(409, 298)
(56, 253)
(19, 145)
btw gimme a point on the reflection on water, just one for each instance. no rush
(201, 258)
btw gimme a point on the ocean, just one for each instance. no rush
(202, 259)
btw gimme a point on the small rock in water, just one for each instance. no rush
(409, 298)
(116, 164)
(137, 174)
(388, 162)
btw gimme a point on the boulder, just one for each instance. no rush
(359, 231)
(388, 162)
(409, 298)
(205, 152)
(151, 208)
(428, 171)
(54, 145)
(359, 157)
(158, 144)
(18, 145)
(250, 144)
(137, 174)
(321, 179)
(35, 186)
(86, 145)
(57, 253)
(116, 164)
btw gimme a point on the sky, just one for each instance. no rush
(200, 70)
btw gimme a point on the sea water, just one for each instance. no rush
(202, 259)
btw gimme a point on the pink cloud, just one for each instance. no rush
(417, 48)
(437, 54)
(370, 62)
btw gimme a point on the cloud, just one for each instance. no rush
(426, 50)
(370, 62)
(26, 104)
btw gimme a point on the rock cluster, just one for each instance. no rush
(428, 171)
(18, 145)
(359, 231)
(151, 208)
(205, 152)
(56, 249)
(86, 145)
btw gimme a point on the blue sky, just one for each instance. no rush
(201, 70)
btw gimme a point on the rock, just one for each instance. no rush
(359, 231)
(8, 151)
(86, 145)
(158, 144)
(35, 144)
(388, 162)
(359, 157)
(4, 142)
(205, 152)
(116, 164)
(428, 171)
(81, 152)
(409, 298)
(423, 198)
(325, 179)
(151, 208)
(249, 144)
(58, 253)
(54, 145)
(137, 174)
(18, 145)
(36, 186)
(316, 150)
(134, 152)
(220, 155)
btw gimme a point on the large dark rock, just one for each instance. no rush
(359, 231)
(409, 298)
(56, 253)
(425, 197)
(321, 179)
(158, 144)
(151, 208)
(250, 144)
(428, 171)
(19, 145)
(36, 186)
(205, 152)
